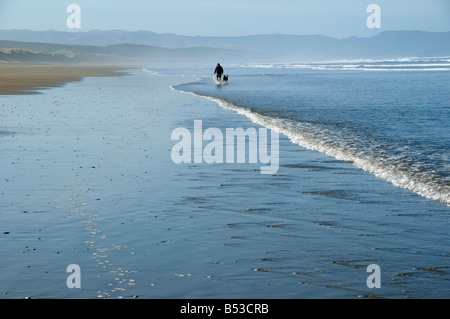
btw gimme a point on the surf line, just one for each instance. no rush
(189, 149)
(192, 309)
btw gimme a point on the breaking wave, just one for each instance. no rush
(314, 137)
(400, 64)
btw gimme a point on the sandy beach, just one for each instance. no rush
(88, 179)
(27, 78)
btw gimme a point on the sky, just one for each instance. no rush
(336, 18)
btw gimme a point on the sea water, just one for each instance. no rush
(375, 189)
(388, 117)
(89, 180)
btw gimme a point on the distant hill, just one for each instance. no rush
(23, 55)
(17, 51)
(133, 46)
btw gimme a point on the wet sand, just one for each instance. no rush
(27, 78)
(87, 178)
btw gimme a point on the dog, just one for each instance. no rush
(225, 79)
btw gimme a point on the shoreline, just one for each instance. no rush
(388, 173)
(89, 180)
(29, 78)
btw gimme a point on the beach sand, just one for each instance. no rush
(26, 78)
(88, 179)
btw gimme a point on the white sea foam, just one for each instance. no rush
(399, 64)
(310, 137)
(151, 72)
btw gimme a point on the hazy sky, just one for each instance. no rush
(337, 18)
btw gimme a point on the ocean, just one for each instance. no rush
(88, 179)
(388, 117)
